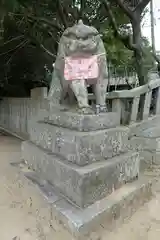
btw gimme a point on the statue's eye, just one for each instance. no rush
(83, 39)
(72, 36)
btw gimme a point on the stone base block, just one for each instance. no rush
(152, 132)
(82, 185)
(145, 143)
(81, 148)
(80, 122)
(148, 159)
(138, 129)
(106, 214)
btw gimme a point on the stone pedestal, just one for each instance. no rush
(146, 141)
(83, 123)
(85, 157)
(82, 185)
(87, 170)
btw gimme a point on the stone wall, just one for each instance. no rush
(16, 113)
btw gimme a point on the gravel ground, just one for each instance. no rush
(25, 215)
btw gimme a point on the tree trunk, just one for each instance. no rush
(2, 16)
(139, 62)
(82, 7)
(157, 59)
(152, 27)
(138, 52)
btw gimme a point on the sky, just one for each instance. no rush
(146, 29)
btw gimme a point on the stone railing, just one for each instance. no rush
(15, 113)
(127, 102)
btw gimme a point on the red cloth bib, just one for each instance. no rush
(81, 68)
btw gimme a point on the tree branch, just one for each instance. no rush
(11, 50)
(141, 5)
(156, 57)
(61, 13)
(82, 7)
(20, 46)
(47, 51)
(33, 40)
(126, 10)
(54, 25)
(127, 41)
(111, 16)
(13, 39)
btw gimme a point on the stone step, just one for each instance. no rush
(151, 132)
(149, 159)
(104, 215)
(147, 143)
(82, 185)
(137, 129)
(79, 122)
(81, 148)
(144, 143)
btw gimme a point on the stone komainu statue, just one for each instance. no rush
(81, 60)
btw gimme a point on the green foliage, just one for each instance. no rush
(116, 52)
(33, 29)
(149, 61)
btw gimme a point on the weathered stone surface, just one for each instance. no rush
(82, 185)
(148, 159)
(144, 143)
(147, 142)
(80, 42)
(137, 129)
(134, 111)
(80, 147)
(152, 132)
(109, 212)
(81, 122)
(147, 103)
(44, 186)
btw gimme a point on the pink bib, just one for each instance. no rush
(81, 68)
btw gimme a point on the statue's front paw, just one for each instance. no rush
(101, 109)
(85, 110)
